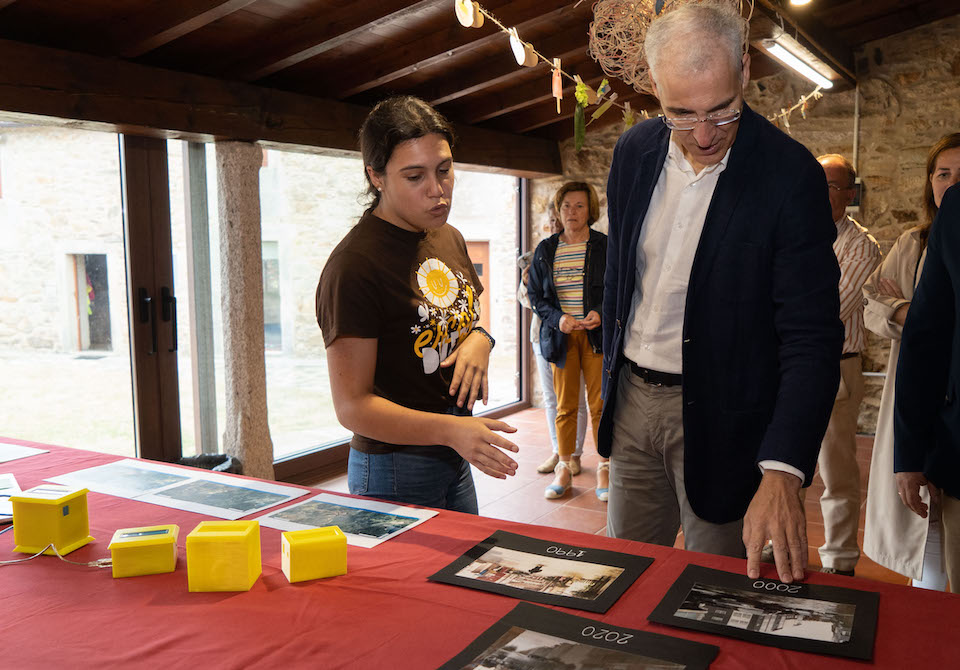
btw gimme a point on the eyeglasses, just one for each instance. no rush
(720, 118)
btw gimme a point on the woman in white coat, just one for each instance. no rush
(895, 537)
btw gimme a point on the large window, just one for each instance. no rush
(64, 322)
(64, 347)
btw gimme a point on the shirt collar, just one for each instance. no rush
(676, 159)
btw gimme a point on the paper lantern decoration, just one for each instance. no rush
(522, 51)
(468, 13)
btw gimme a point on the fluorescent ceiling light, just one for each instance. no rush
(794, 62)
(799, 3)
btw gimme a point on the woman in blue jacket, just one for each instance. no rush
(566, 289)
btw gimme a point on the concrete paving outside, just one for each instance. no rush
(84, 400)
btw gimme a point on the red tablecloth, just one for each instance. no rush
(382, 614)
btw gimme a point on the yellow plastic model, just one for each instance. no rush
(223, 556)
(50, 514)
(148, 550)
(313, 553)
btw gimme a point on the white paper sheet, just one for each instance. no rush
(366, 523)
(11, 452)
(191, 490)
(8, 487)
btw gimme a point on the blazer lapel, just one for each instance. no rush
(729, 189)
(650, 164)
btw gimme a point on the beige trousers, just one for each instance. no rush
(648, 499)
(950, 517)
(840, 502)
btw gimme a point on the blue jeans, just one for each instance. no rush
(432, 477)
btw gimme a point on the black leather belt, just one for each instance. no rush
(653, 377)
(849, 354)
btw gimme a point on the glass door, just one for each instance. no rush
(64, 336)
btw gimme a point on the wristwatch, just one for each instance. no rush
(493, 342)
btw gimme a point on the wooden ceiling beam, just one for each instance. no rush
(815, 36)
(6, 3)
(897, 20)
(570, 43)
(545, 113)
(562, 128)
(530, 91)
(445, 44)
(118, 96)
(166, 21)
(324, 33)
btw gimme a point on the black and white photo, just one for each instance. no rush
(535, 638)
(547, 572)
(805, 617)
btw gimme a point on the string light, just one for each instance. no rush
(472, 14)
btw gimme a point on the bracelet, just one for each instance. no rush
(493, 342)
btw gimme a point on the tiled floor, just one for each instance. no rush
(520, 498)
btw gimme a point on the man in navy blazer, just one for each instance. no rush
(720, 319)
(926, 428)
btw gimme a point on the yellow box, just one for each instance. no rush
(148, 550)
(223, 556)
(313, 553)
(50, 514)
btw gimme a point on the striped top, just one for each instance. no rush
(858, 254)
(568, 277)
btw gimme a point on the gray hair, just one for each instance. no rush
(844, 163)
(686, 28)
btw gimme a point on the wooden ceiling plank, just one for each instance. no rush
(170, 20)
(322, 34)
(571, 43)
(524, 94)
(6, 3)
(836, 53)
(562, 128)
(900, 20)
(118, 96)
(545, 114)
(448, 43)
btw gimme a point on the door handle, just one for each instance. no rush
(147, 316)
(168, 311)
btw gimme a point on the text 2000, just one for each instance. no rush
(776, 586)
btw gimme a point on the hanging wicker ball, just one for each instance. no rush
(618, 31)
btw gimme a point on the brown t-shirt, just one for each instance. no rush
(416, 293)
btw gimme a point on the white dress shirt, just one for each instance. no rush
(668, 242)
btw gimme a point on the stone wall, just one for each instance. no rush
(909, 98)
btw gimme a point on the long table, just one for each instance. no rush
(382, 614)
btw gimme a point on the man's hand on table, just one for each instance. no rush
(776, 514)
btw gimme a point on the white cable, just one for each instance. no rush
(99, 563)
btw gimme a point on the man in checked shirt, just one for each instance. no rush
(858, 254)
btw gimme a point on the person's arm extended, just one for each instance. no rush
(352, 361)
(810, 335)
